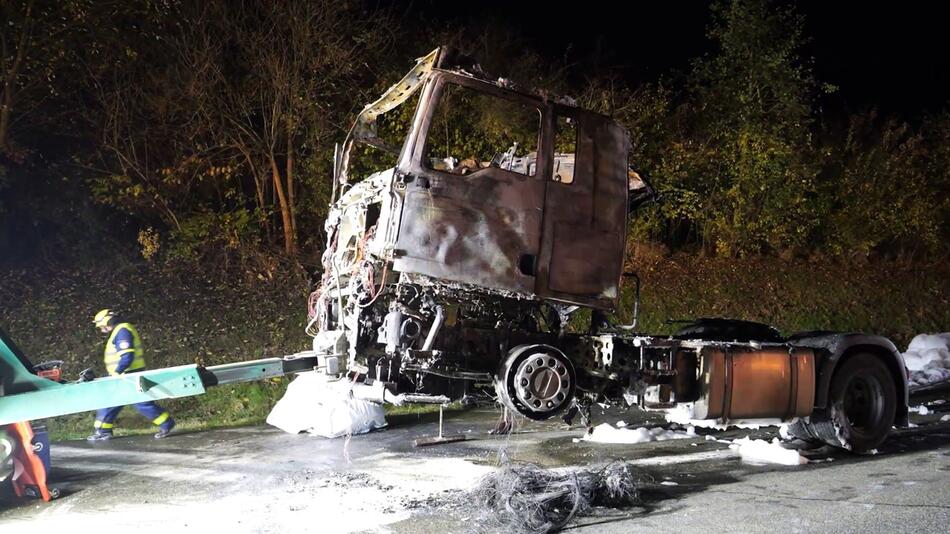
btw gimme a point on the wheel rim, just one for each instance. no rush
(542, 382)
(864, 403)
(536, 381)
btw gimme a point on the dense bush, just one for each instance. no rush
(207, 130)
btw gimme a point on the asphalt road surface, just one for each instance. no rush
(259, 479)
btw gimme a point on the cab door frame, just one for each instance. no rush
(585, 221)
(483, 228)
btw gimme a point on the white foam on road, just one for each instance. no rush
(719, 454)
(606, 433)
(759, 451)
(373, 492)
(683, 414)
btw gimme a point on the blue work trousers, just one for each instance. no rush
(105, 418)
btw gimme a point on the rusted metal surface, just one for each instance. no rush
(747, 383)
(502, 229)
(474, 228)
(364, 127)
(585, 221)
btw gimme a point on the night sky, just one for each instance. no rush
(895, 58)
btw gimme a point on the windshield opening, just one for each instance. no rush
(382, 151)
(472, 130)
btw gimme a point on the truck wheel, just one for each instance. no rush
(536, 381)
(862, 404)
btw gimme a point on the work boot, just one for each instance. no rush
(99, 436)
(165, 430)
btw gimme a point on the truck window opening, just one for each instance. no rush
(471, 131)
(565, 148)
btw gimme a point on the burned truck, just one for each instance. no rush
(467, 265)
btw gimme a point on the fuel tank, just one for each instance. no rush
(746, 382)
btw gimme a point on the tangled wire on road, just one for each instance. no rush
(527, 498)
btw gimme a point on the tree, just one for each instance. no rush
(34, 46)
(297, 68)
(212, 110)
(14, 50)
(891, 187)
(750, 110)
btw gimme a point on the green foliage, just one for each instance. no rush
(883, 193)
(735, 157)
(187, 125)
(749, 109)
(391, 128)
(757, 77)
(229, 231)
(315, 172)
(189, 121)
(732, 152)
(897, 299)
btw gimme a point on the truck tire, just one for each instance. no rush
(862, 402)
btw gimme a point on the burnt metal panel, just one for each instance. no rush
(585, 221)
(482, 228)
(575, 268)
(486, 227)
(473, 229)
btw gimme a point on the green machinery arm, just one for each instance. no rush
(26, 397)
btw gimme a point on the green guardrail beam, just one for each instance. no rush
(25, 396)
(55, 399)
(231, 373)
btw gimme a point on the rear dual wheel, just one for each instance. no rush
(862, 404)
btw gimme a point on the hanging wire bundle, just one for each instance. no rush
(526, 498)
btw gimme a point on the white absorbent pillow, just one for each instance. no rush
(320, 406)
(928, 359)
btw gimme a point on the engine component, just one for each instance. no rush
(536, 381)
(389, 333)
(434, 330)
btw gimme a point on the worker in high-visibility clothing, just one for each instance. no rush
(123, 355)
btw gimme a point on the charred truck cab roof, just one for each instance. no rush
(500, 229)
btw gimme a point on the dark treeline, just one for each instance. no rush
(201, 133)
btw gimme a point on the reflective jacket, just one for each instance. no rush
(124, 350)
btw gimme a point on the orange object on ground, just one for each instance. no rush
(52, 374)
(29, 472)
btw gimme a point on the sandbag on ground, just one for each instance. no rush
(928, 359)
(315, 404)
